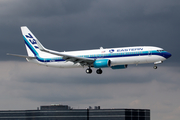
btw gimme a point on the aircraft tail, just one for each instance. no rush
(31, 42)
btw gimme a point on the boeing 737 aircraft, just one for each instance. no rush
(114, 58)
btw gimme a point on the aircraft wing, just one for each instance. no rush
(83, 61)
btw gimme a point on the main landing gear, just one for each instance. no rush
(99, 71)
(89, 71)
(155, 67)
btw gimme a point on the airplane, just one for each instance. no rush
(114, 58)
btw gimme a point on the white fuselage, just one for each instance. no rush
(117, 56)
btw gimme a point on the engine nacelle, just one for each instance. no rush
(119, 66)
(102, 63)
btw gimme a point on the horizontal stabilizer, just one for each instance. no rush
(23, 56)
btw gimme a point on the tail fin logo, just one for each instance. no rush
(32, 40)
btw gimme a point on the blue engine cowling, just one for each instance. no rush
(102, 63)
(119, 67)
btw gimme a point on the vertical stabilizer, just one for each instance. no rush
(31, 42)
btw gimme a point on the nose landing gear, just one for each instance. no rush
(155, 67)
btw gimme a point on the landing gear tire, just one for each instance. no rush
(155, 67)
(99, 71)
(89, 71)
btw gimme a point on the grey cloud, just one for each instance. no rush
(33, 8)
(135, 87)
(139, 74)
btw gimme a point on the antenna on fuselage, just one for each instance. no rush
(101, 48)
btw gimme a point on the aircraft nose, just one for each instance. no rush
(167, 55)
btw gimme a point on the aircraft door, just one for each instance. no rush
(149, 53)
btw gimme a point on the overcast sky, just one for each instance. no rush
(76, 25)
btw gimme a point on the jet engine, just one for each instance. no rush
(102, 63)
